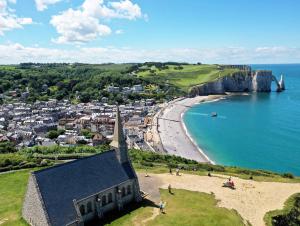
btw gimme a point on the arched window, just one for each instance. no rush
(128, 190)
(89, 207)
(103, 200)
(123, 192)
(82, 210)
(109, 197)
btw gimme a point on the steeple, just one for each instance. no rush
(119, 142)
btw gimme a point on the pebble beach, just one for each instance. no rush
(172, 131)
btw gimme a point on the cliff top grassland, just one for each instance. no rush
(185, 76)
(186, 207)
(13, 187)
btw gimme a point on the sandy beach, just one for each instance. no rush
(172, 132)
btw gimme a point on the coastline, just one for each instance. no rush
(174, 136)
(195, 144)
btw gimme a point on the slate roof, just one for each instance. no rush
(60, 185)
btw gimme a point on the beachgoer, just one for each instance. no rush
(177, 172)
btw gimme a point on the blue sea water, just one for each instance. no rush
(260, 131)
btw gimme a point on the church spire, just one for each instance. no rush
(119, 142)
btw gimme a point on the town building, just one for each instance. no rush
(113, 89)
(76, 192)
(137, 88)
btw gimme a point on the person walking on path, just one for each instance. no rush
(177, 172)
(161, 206)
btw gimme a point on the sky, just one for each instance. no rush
(102, 31)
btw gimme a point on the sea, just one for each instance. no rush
(257, 131)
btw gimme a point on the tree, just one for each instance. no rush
(87, 133)
(53, 134)
(7, 147)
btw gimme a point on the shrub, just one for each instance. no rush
(288, 175)
(53, 134)
(44, 162)
(11, 159)
(7, 147)
(7, 162)
(291, 217)
(147, 164)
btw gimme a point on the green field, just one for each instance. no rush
(188, 76)
(12, 190)
(183, 208)
(193, 207)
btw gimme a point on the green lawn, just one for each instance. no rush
(194, 209)
(184, 208)
(12, 190)
(187, 77)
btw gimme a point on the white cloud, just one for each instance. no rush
(8, 19)
(16, 53)
(126, 9)
(119, 32)
(41, 5)
(87, 22)
(76, 27)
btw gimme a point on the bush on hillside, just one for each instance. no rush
(53, 134)
(288, 175)
(55, 150)
(15, 161)
(7, 147)
(292, 217)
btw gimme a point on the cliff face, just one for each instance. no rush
(262, 81)
(209, 88)
(237, 82)
(259, 81)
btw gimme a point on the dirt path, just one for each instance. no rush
(251, 199)
(3, 221)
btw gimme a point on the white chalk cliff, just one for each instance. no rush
(246, 81)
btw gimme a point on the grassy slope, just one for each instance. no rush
(189, 76)
(12, 190)
(198, 206)
(183, 208)
(288, 205)
(194, 208)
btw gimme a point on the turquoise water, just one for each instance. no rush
(260, 131)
